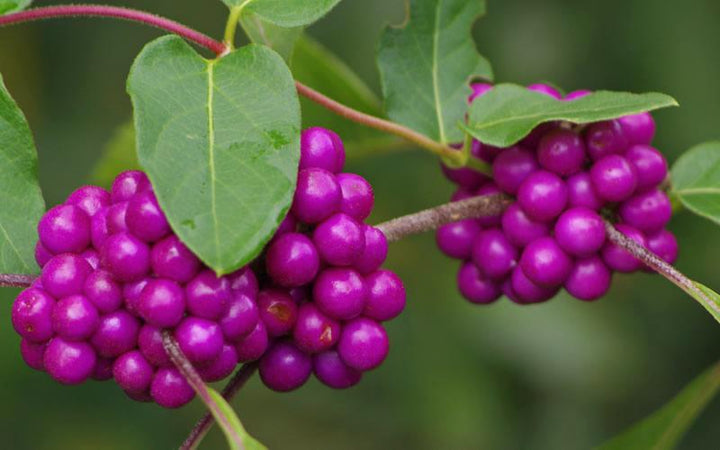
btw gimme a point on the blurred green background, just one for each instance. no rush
(563, 375)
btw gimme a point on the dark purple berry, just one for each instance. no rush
(65, 228)
(102, 290)
(589, 279)
(333, 372)
(150, 343)
(340, 293)
(512, 167)
(561, 152)
(244, 281)
(613, 178)
(103, 369)
(171, 259)
(200, 340)
(639, 128)
(162, 303)
(132, 372)
(254, 345)
(116, 334)
(145, 219)
(32, 353)
(363, 344)
(543, 196)
(317, 196)
(524, 291)
(125, 256)
(284, 367)
(220, 367)
(357, 196)
(650, 165)
(169, 388)
(292, 260)
(493, 254)
(207, 295)
(580, 231)
(385, 296)
(375, 252)
(619, 259)
(69, 362)
(314, 331)
(582, 193)
(519, 229)
(475, 286)
(649, 211)
(456, 239)
(545, 263)
(340, 240)
(278, 311)
(663, 244)
(240, 318)
(605, 138)
(322, 149)
(42, 255)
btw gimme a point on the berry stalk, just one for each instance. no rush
(16, 280)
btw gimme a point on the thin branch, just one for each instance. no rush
(132, 15)
(16, 280)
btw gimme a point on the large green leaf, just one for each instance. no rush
(285, 13)
(249, 442)
(280, 39)
(664, 429)
(696, 180)
(7, 6)
(220, 140)
(426, 66)
(509, 112)
(118, 155)
(21, 202)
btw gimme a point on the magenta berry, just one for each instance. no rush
(649, 211)
(605, 138)
(363, 344)
(278, 311)
(116, 334)
(116, 218)
(357, 198)
(65, 228)
(127, 184)
(519, 229)
(169, 388)
(91, 199)
(317, 196)
(69, 362)
(330, 369)
(512, 167)
(581, 192)
(613, 178)
(580, 232)
(475, 286)
(493, 254)
(561, 152)
(574, 95)
(200, 340)
(145, 219)
(375, 251)
(240, 318)
(171, 259)
(340, 293)
(589, 279)
(220, 367)
(207, 295)
(385, 296)
(292, 260)
(545, 89)
(125, 256)
(65, 275)
(340, 240)
(162, 303)
(33, 353)
(543, 196)
(132, 372)
(617, 258)
(456, 239)
(650, 165)
(150, 343)
(32, 315)
(315, 332)
(254, 345)
(321, 148)
(524, 291)
(545, 263)
(638, 128)
(75, 318)
(285, 367)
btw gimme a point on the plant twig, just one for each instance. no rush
(16, 280)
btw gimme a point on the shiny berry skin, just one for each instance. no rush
(375, 251)
(519, 229)
(162, 303)
(333, 372)
(545, 89)
(169, 388)
(150, 343)
(32, 353)
(386, 296)
(90, 199)
(116, 215)
(322, 149)
(131, 293)
(278, 311)
(456, 239)
(561, 152)
(650, 165)
(478, 90)
(284, 367)
(512, 167)
(200, 340)
(613, 178)
(171, 259)
(317, 196)
(363, 344)
(475, 287)
(524, 291)
(207, 295)
(42, 255)
(589, 279)
(75, 318)
(580, 231)
(32, 315)
(315, 332)
(99, 231)
(145, 219)
(582, 193)
(340, 293)
(125, 256)
(292, 260)
(638, 128)
(543, 196)
(220, 367)
(617, 258)
(357, 198)
(663, 244)
(65, 228)
(91, 257)
(244, 281)
(116, 334)
(545, 263)
(69, 362)
(605, 138)
(127, 184)
(340, 240)
(240, 318)
(649, 211)
(493, 254)
(65, 275)
(254, 345)
(132, 372)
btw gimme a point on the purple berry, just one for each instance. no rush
(99, 231)
(545, 89)
(254, 345)
(363, 344)
(131, 292)
(278, 311)
(385, 296)
(116, 334)
(512, 167)
(340, 293)
(333, 372)
(322, 149)
(605, 138)
(150, 343)
(145, 219)
(489, 221)
(475, 287)
(375, 252)
(292, 260)
(169, 388)
(32, 315)
(639, 128)
(127, 184)
(456, 239)
(543, 196)
(580, 231)
(524, 291)
(340, 240)
(317, 196)
(478, 90)
(69, 362)
(199, 339)
(75, 318)
(519, 229)
(162, 303)
(65, 275)
(561, 152)
(650, 165)
(125, 256)
(42, 255)
(132, 372)
(65, 228)
(663, 244)
(613, 178)
(493, 254)
(33, 353)
(582, 193)
(240, 318)
(244, 281)
(619, 259)
(649, 211)
(102, 290)
(90, 199)
(589, 279)
(545, 263)
(357, 196)
(315, 332)
(208, 295)
(220, 367)
(116, 218)
(284, 367)
(170, 258)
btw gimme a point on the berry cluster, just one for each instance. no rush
(114, 276)
(564, 179)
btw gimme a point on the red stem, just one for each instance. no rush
(132, 15)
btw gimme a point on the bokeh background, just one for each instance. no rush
(562, 375)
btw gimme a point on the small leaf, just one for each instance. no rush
(285, 13)
(21, 202)
(664, 429)
(696, 180)
(249, 442)
(8, 6)
(119, 155)
(509, 112)
(280, 39)
(710, 301)
(426, 66)
(220, 140)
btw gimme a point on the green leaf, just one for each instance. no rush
(119, 155)
(710, 300)
(21, 202)
(220, 140)
(696, 180)
(664, 429)
(249, 442)
(509, 112)
(8, 6)
(280, 39)
(285, 13)
(426, 66)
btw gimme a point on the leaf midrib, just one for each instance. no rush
(435, 73)
(211, 155)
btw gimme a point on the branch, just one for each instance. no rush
(16, 280)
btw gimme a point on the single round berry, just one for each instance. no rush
(125, 256)
(582, 193)
(162, 303)
(545, 263)
(240, 318)
(171, 259)
(663, 244)
(254, 345)
(605, 138)
(649, 211)
(543, 196)
(613, 178)
(650, 165)
(340, 293)
(169, 388)
(512, 167)
(278, 311)
(456, 239)
(639, 128)
(208, 295)
(589, 279)
(519, 229)
(127, 184)
(199, 339)
(116, 218)
(493, 254)
(533, 139)
(475, 286)
(65, 275)
(131, 293)
(150, 343)
(99, 231)
(357, 196)
(42, 255)
(102, 290)
(285, 367)
(464, 177)
(33, 353)
(617, 258)
(32, 315)
(315, 332)
(220, 367)
(545, 89)
(292, 260)
(363, 344)
(69, 362)
(333, 372)
(90, 199)
(145, 219)
(116, 334)
(75, 318)
(340, 240)
(132, 372)
(580, 231)
(65, 228)
(524, 291)
(244, 281)
(375, 252)
(478, 90)
(561, 152)
(317, 196)
(385, 296)
(574, 95)
(322, 149)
